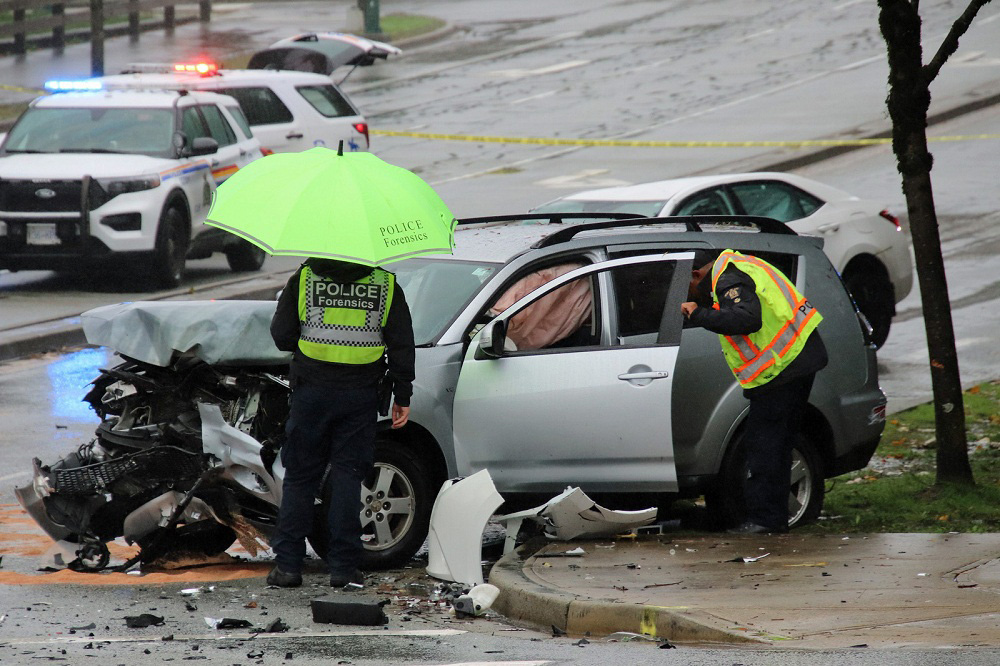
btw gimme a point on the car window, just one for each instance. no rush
(193, 124)
(707, 202)
(241, 120)
(779, 201)
(260, 104)
(437, 290)
(77, 130)
(640, 293)
(218, 126)
(327, 100)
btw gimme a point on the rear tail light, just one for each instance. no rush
(266, 151)
(889, 216)
(363, 129)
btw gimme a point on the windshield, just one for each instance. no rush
(93, 130)
(644, 208)
(437, 289)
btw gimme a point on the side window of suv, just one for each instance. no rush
(192, 124)
(260, 104)
(779, 201)
(640, 294)
(327, 100)
(218, 127)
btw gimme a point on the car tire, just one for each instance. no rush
(726, 504)
(172, 242)
(244, 257)
(874, 295)
(392, 535)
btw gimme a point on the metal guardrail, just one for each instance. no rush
(94, 13)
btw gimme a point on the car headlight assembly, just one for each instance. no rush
(115, 186)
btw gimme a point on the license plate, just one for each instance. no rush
(42, 234)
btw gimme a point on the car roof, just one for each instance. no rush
(665, 190)
(221, 79)
(150, 98)
(500, 242)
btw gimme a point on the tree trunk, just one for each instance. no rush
(908, 102)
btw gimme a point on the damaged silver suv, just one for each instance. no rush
(551, 351)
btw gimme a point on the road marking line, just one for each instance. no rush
(243, 635)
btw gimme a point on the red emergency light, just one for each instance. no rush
(199, 68)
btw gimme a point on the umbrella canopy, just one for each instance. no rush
(321, 203)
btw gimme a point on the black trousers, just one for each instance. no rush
(772, 424)
(325, 425)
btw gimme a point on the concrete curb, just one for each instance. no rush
(525, 600)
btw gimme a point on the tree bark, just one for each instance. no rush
(908, 103)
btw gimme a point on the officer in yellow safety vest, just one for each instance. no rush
(349, 329)
(769, 339)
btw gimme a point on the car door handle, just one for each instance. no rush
(823, 228)
(651, 374)
(293, 135)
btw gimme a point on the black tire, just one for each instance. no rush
(172, 240)
(245, 257)
(874, 295)
(393, 530)
(726, 504)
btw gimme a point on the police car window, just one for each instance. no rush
(779, 201)
(327, 101)
(218, 126)
(241, 120)
(261, 105)
(192, 124)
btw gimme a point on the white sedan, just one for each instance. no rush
(863, 240)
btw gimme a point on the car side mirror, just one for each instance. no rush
(204, 145)
(491, 339)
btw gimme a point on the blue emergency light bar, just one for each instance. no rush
(70, 86)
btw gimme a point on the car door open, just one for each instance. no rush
(592, 409)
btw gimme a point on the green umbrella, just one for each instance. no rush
(324, 203)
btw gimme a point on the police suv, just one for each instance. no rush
(92, 176)
(289, 111)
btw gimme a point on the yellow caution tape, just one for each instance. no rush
(33, 91)
(617, 143)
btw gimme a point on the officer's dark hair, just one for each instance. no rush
(702, 257)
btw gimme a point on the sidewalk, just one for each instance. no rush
(816, 592)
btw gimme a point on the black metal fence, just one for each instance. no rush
(47, 24)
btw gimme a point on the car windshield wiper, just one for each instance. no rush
(10, 150)
(92, 150)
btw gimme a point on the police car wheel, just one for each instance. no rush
(244, 257)
(171, 248)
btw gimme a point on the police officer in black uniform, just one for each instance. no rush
(777, 405)
(349, 327)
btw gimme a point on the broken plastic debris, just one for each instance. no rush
(458, 518)
(276, 626)
(477, 601)
(748, 559)
(194, 591)
(332, 611)
(573, 514)
(142, 621)
(626, 636)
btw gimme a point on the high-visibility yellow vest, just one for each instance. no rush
(341, 321)
(787, 319)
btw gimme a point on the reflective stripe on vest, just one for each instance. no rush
(342, 322)
(787, 319)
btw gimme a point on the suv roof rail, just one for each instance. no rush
(691, 222)
(553, 218)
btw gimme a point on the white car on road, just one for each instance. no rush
(89, 178)
(864, 242)
(289, 111)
